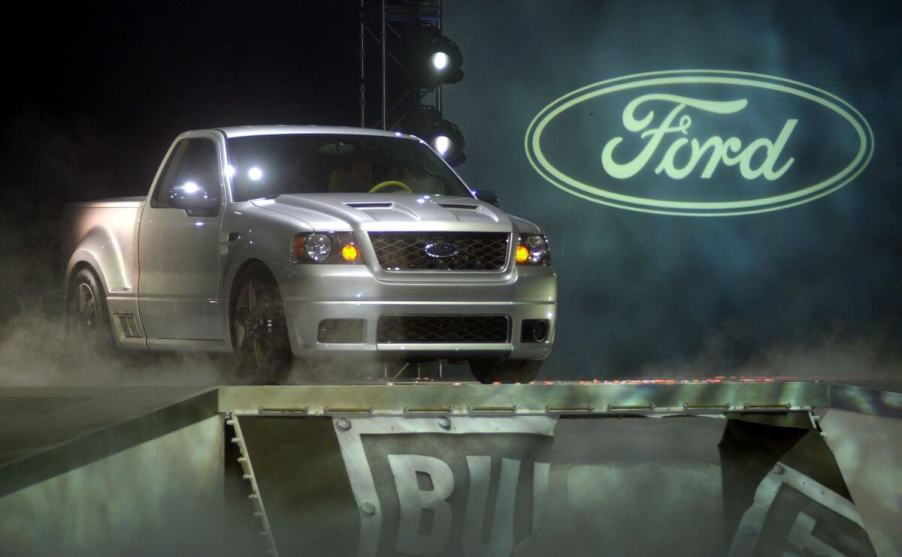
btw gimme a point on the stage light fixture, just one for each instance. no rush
(428, 58)
(440, 134)
(448, 142)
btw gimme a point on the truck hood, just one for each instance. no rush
(390, 212)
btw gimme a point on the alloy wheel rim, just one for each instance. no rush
(255, 324)
(86, 310)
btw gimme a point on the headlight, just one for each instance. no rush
(533, 250)
(319, 247)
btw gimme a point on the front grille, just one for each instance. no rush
(445, 251)
(442, 328)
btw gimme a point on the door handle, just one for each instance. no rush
(234, 236)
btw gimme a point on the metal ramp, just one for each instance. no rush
(625, 468)
(700, 468)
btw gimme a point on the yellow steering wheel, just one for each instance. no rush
(389, 183)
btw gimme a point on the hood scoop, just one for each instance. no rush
(459, 206)
(369, 205)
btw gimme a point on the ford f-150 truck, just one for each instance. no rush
(276, 241)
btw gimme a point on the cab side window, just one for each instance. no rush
(194, 163)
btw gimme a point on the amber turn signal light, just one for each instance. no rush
(349, 252)
(522, 253)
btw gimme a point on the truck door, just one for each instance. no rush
(178, 252)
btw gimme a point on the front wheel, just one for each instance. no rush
(258, 326)
(505, 371)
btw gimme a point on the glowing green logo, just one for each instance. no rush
(654, 158)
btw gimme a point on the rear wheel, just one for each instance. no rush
(505, 371)
(87, 319)
(258, 326)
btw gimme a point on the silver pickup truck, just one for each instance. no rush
(273, 242)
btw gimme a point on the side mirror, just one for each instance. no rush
(194, 199)
(488, 196)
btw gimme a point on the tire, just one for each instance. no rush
(87, 318)
(258, 326)
(505, 371)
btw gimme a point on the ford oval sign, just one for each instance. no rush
(707, 143)
(440, 250)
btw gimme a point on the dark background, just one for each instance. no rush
(96, 92)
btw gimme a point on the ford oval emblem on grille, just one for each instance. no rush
(440, 249)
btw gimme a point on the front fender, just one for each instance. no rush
(263, 236)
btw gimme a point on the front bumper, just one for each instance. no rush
(314, 293)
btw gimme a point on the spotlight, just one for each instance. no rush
(440, 61)
(429, 58)
(447, 140)
(442, 144)
(440, 134)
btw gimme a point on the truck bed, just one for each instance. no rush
(131, 201)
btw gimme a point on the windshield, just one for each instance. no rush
(270, 165)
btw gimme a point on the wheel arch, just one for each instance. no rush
(100, 249)
(73, 269)
(235, 274)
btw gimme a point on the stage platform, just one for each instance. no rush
(717, 466)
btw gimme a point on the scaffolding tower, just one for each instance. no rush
(383, 26)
